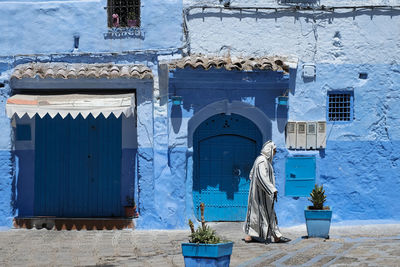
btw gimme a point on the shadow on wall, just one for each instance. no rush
(260, 14)
(23, 183)
(14, 183)
(199, 88)
(281, 117)
(176, 118)
(305, 3)
(225, 149)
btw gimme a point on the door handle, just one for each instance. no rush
(237, 172)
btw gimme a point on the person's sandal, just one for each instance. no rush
(248, 239)
(283, 240)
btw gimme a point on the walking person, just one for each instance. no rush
(261, 221)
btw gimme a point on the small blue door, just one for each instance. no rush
(300, 176)
(225, 147)
(78, 166)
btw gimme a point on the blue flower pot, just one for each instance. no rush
(199, 255)
(318, 222)
(176, 100)
(283, 100)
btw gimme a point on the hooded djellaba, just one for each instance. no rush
(261, 221)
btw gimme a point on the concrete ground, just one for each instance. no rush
(370, 245)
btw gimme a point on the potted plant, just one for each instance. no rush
(130, 208)
(318, 217)
(205, 248)
(132, 21)
(283, 100)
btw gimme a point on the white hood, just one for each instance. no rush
(268, 150)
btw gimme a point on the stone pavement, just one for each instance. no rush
(371, 245)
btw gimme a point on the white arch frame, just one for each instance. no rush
(246, 110)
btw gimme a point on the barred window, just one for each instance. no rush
(123, 13)
(340, 106)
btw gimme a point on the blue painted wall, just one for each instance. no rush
(18, 165)
(45, 33)
(7, 158)
(198, 89)
(49, 27)
(7, 189)
(359, 167)
(360, 164)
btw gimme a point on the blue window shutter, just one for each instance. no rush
(300, 176)
(23, 132)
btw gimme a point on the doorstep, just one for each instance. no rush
(57, 223)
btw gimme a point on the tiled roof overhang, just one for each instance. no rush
(235, 63)
(78, 70)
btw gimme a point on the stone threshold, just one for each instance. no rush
(57, 223)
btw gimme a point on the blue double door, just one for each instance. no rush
(78, 167)
(225, 147)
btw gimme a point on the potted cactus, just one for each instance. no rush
(205, 248)
(318, 217)
(132, 21)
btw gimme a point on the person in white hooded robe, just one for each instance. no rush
(261, 221)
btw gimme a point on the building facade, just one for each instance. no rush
(78, 79)
(169, 102)
(346, 76)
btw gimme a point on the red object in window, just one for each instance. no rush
(115, 20)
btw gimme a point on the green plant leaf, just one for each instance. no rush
(317, 197)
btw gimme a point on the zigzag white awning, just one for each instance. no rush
(73, 104)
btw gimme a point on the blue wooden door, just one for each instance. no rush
(78, 167)
(225, 147)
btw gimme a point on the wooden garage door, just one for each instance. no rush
(78, 166)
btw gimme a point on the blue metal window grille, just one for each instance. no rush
(123, 13)
(340, 106)
(23, 132)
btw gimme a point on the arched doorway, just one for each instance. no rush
(224, 147)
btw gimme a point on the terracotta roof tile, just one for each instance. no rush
(246, 64)
(78, 70)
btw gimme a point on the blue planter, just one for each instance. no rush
(283, 100)
(217, 255)
(318, 222)
(176, 100)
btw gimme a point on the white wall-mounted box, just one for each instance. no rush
(321, 134)
(301, 135)
(291, 135)
(311, 135)
(309, 71)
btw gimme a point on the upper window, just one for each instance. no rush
(340, 106)
(123, 13)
